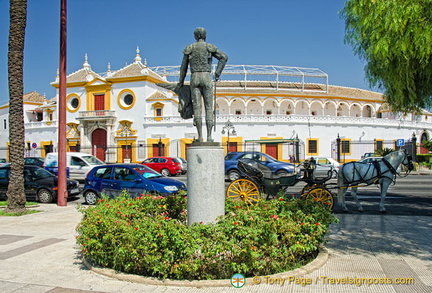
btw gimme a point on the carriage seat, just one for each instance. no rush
(253, 168)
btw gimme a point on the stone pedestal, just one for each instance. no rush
(205, 183)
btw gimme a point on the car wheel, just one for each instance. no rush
(165, 172)
(233, 175)
(90, 197)
(282, 173)
(45, 196)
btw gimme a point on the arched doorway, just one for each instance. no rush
(99, 143)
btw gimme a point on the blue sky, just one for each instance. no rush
(308, 33)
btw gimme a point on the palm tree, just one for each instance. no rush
(18, 19)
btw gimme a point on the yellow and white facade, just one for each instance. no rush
(123, 115)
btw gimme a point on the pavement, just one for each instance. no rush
(364, 253)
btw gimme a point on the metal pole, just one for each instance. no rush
(214, 106)
(338, 148)
(62, 192)
(228, 145)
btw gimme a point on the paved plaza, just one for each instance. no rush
(38, 253)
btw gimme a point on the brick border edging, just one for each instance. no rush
(318, 262)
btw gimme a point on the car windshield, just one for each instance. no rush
(146, 172)
(176, 160)
(229, 156)
(92, 160)
(181, 159)
(39, 173)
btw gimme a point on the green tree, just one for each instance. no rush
(394, 37)
(18, 18)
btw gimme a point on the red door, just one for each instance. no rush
(99, 143)
(232, 147)
(272, 150)
(126, 152)
(99, 103)
(156, 150)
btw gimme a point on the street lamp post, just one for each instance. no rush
(230, 129)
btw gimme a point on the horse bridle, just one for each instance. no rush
(408, 165)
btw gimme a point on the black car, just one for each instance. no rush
(37, 161)
(39, 184)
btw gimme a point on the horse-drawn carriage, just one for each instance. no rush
(259, 182)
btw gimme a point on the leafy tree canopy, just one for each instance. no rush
(394, 37)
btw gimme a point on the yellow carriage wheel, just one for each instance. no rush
(244, 190)
(322, 195)
(309, 187)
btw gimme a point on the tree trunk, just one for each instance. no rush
(18, 17)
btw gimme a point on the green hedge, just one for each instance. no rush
(424, 158)
(148, 236)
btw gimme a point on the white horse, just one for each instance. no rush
(382, 172)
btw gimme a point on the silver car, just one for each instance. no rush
(183, 164)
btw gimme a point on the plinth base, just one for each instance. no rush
(205, 183)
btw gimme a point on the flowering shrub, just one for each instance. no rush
(148, 236)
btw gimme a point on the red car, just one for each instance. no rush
(165, 165)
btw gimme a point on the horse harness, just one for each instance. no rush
(374, 179)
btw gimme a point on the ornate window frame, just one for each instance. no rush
(121, 96)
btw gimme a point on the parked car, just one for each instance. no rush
(277, 167)
(367, 155)
(165, 165)
(78, 164)
(369, 160)
(183, 164)
(137, 179)
(325, 165)
(37, 161)
(3, 162)
(39, 184)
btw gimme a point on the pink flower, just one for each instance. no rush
(281, 199)
(317, 224)
(274, 217)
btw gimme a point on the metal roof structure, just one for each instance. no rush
(245, 73)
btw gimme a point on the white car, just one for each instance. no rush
(324, 165)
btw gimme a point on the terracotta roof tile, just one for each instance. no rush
(33, 97)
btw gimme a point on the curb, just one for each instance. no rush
(317, 263)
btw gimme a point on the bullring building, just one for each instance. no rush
(288, 112)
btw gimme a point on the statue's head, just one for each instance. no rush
(200, 33)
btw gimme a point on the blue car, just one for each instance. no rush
(137, 179)
(277, 167)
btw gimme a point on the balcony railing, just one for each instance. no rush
(98, 114)
(274, 118)
(41, 124)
